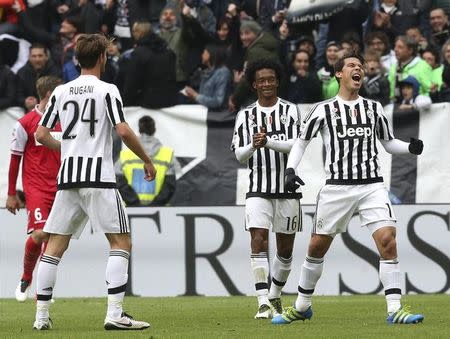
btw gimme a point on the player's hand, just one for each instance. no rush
(291, 180)
(150, 171)
(260, 139)
(12, 204)
(415, 146)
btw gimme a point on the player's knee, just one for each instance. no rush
(259, 244)
(285, 252)
(388, 246)
(39, 236)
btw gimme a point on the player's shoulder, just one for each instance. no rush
(319, 108)
(287, 102)
(371, 103)
(245, 110)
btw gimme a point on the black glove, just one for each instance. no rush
(415, 146)
(291, 180)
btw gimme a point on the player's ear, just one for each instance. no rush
(254, 85)
(338, 75)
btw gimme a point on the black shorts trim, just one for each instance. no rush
(354, 181)
(273, 195)
(87, 184)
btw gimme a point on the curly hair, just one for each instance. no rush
(253, 67)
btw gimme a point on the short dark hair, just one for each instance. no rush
(217, 54)
(409, 42)
(38, 45)
(339, 65)
(89, 47)
(253, 67)
(147, 125)
(341, 61)
(434, 52)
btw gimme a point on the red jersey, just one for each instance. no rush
(40, 164)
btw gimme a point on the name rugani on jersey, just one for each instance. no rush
(88, 108)
(349, 131)
(266, 166)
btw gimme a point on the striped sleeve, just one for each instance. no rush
(312, 123)
(114, 106)
(50, 116)
(240, 135)
(383, 127)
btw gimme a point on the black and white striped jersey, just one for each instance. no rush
(88, 108)
(349, 131)
(282, 122)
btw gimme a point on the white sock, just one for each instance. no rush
(390, 278)
(116, 280)
(45, 282)
(310, 273)
(260, 270)
(281, 267)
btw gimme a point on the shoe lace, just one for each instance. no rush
(124, 314)
(405, 310)
(291, 311)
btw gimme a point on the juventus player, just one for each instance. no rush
(264, 132)
(88, 109)
(350, 125)
(39, 170)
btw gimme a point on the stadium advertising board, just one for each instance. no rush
(205, 251)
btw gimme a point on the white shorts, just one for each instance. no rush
(72, 208)
(336, 204)
(282, 215)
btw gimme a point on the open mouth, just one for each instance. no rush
(356, 77)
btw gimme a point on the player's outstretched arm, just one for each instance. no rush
(131, 140)
(297, 151)
(283, 146)
(396, 146)
(45, 138)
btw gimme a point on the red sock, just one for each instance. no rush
(32, 252)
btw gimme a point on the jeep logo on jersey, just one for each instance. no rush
(354, 131)
(277, 135)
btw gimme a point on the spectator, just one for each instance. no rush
(38, 65)
(304, 85)
(395, 16)
(112, 66)
(159, 191)
(376, 83)
(444, 94)
(8, 15)
(408, 63)
(378, 42)
(350, 42)
(227, 35)
(181, 38)
(144, 10)
(87, 14)
(349, 20)
(410, 98)
(330, 86)
(431, 56)
(150, 79)
(7, 86)
(417, 36)
(215, 80)
(439, 27)
(63, 51)
(258, 45)
(14, 52)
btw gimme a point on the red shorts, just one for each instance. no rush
(38, 209)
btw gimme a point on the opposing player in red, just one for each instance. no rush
(39, 171)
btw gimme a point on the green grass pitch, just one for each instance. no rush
(229, 317)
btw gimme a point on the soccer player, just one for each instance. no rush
(264, 132)
(350, 126)
(39, 170)
(88, 109)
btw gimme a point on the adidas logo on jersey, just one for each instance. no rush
(354, 131)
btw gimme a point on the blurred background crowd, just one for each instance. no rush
(173, 52)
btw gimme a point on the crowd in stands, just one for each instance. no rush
(173, 52)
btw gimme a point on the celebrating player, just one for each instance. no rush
(263, 132)
(350, 126)
(88, 108)
(39, 170)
